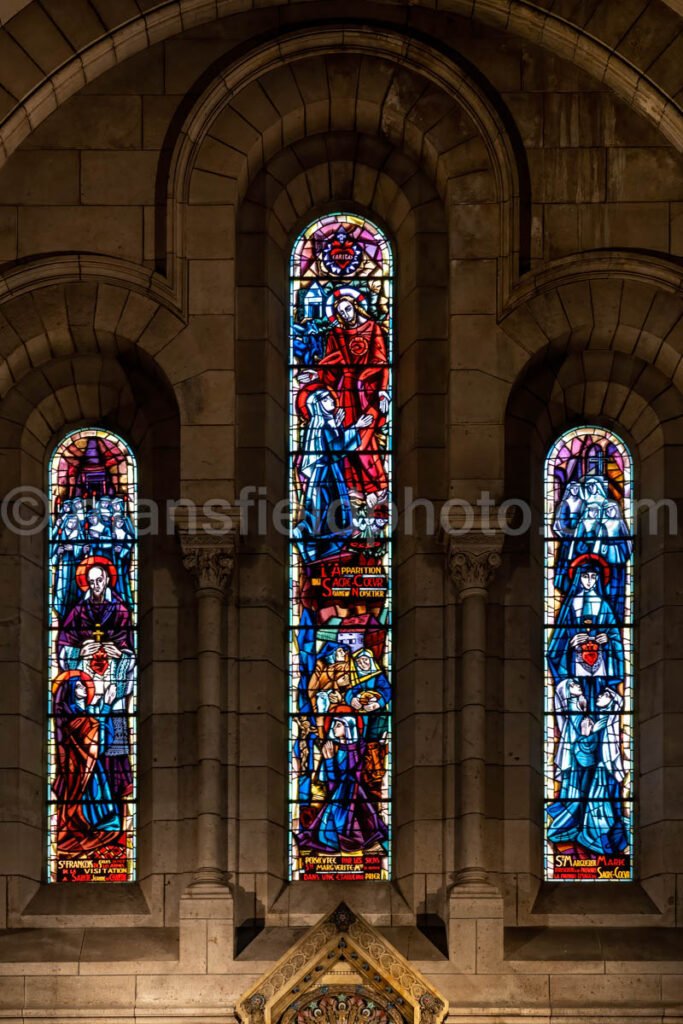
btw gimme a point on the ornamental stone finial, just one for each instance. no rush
(210, 559)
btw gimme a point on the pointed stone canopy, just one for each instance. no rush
(339, 958)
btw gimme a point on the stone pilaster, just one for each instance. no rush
(475, 906)
(210, 560)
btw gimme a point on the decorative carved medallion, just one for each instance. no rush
(343, 1006)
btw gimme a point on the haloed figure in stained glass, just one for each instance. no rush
(340, 570)
(588, 657)
(92, 659)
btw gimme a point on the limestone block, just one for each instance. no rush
(567, 175)
(44, 178)
(494, 990)
(474, 230)
(115, 231)
(573, 119)
(209, 232)
(211, 286)
(8, 233)
(625, 224)
(142, 74)
(208, 453)
(118, 178)
(527, 110)
(644, 175)
(91, 122)
(18, 72)
(38, 36)
(594, 990)
(260, 794)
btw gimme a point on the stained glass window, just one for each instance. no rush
(588, 632)
(340, 464)
(92, 659)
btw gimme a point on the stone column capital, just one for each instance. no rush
(471, 562)
(209, 559)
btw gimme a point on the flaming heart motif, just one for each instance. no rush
(342, 255)
(99, 663)
(590, 652)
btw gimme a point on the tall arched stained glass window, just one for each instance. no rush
(340, 443)
(588, 658)
(92, 660)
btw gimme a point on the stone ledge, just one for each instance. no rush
(87, 945)
(76, 904)
(624, 905)
(664, 945)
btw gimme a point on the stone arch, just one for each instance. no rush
(452, 130)
(372, 966)
(604, 370)
(370, 176)
(37, 93)
(617, 300)
(77, 354)
(61, 305)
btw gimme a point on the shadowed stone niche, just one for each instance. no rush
(343, 971)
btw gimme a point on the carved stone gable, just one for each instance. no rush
(343, 971)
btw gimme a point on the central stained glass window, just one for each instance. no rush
(588, 658)
(340, 464)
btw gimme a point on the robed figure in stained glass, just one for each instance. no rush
(88, 816)
(589, 548)
(340, 637)
(327, 517)
(347, 821)
(92, 660)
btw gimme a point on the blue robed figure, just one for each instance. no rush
(586, 641)
(327, 519)
(348, 821)
(590, 770)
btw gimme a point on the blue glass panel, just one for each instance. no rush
(588, 629)
(340, 407)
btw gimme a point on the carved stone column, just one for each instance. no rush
(472, 562)
(210, 560)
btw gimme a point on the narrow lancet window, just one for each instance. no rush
(340, 466)
(588, 633)
(92, 659)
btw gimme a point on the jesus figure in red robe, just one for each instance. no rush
(355, 367)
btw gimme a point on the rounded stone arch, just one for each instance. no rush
(77, 355)
(453, 131)
(604, 371)
(610, 300)
(37, 93)
(366, 175)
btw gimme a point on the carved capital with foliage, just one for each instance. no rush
(470, 566)
(210, 560)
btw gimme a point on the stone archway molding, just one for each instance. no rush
(342, 936)
(656, 271)
(391, 44)
(524, 19)
(65, 303)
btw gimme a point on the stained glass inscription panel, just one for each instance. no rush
(589, 528)
(340, 466)
(92, 659)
